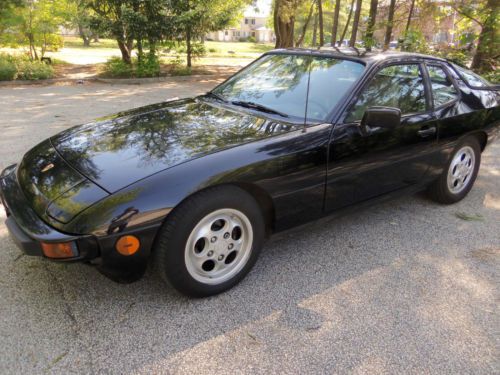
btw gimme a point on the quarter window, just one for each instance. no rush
(399, 86)
(443, 90)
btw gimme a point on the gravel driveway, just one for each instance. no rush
(405, 286)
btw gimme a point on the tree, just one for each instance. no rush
(194, 18)
(347, 23)
(299, 41)
(355, 23)
(486, 16)
(109, 18)
(335, 25)
(410, 15)
(34, 23)
(390, 24)
(81, 19)
(284, 22)
(370, 28)
(320, 20)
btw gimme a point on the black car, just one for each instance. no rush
(198, 184)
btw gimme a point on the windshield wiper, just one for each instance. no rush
(258, 107)
(216, 96)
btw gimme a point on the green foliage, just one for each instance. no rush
(115, 67)
(8, 69)
(460, 56)
(197, 49)
(34, 70)
(493, 76)
(22, 68)
(148, 67)
(414, 41)
(34, 23)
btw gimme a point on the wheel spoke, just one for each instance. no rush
(461, 167)
(208, 263)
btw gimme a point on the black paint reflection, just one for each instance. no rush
(119, 151)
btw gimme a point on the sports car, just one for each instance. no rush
(195, 186)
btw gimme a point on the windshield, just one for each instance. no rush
(280, 82)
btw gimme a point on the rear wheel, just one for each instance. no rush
(460, 173)
(210, 241)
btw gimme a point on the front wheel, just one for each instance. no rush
(210, 241)
(460, 173)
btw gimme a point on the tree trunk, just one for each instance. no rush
(284, 25)
(335, 22)
(85, 38)
(487, 48)
(370, 28)
(390, 22)
(125, 51)
(410, 15)
(315, 31)
(355, 23)
(140, 52)
(347, 23)
(188, 47)
(320, 19)
(299, 42)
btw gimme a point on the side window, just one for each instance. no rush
(443, 90)
(472, 79)
(399, 86)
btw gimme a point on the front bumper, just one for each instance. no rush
(26, 228)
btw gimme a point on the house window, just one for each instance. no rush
(253, 21)
(226, 32)
(253, 34)
(246, 21)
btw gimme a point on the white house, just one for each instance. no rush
(252, 24)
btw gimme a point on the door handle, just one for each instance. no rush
(427, 132)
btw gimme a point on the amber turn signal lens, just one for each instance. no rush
(59, 250)
(127, 245)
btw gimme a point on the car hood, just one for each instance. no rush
(119, 150)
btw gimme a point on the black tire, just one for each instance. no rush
(171, 242)
(439, 191)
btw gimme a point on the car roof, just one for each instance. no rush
(360, 54)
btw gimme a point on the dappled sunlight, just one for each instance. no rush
(492, 201)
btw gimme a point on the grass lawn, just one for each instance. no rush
(237, 47)
(214, 49)
(77, 42)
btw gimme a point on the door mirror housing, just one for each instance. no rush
(381, 117)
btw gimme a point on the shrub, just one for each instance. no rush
(212, 50)
(493, 77)
(252, 39)
(148, 67)
(8, 69)
(34, 70)
(115, 67)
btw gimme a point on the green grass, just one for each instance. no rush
(469, 217)
(77, 42)
(239, 48)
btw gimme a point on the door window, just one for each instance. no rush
(399, 86)
(443, 90)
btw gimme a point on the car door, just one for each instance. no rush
(367, 162)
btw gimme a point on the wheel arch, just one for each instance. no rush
(262, 197)
(481, 137)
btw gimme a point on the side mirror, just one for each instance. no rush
(381, 117)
